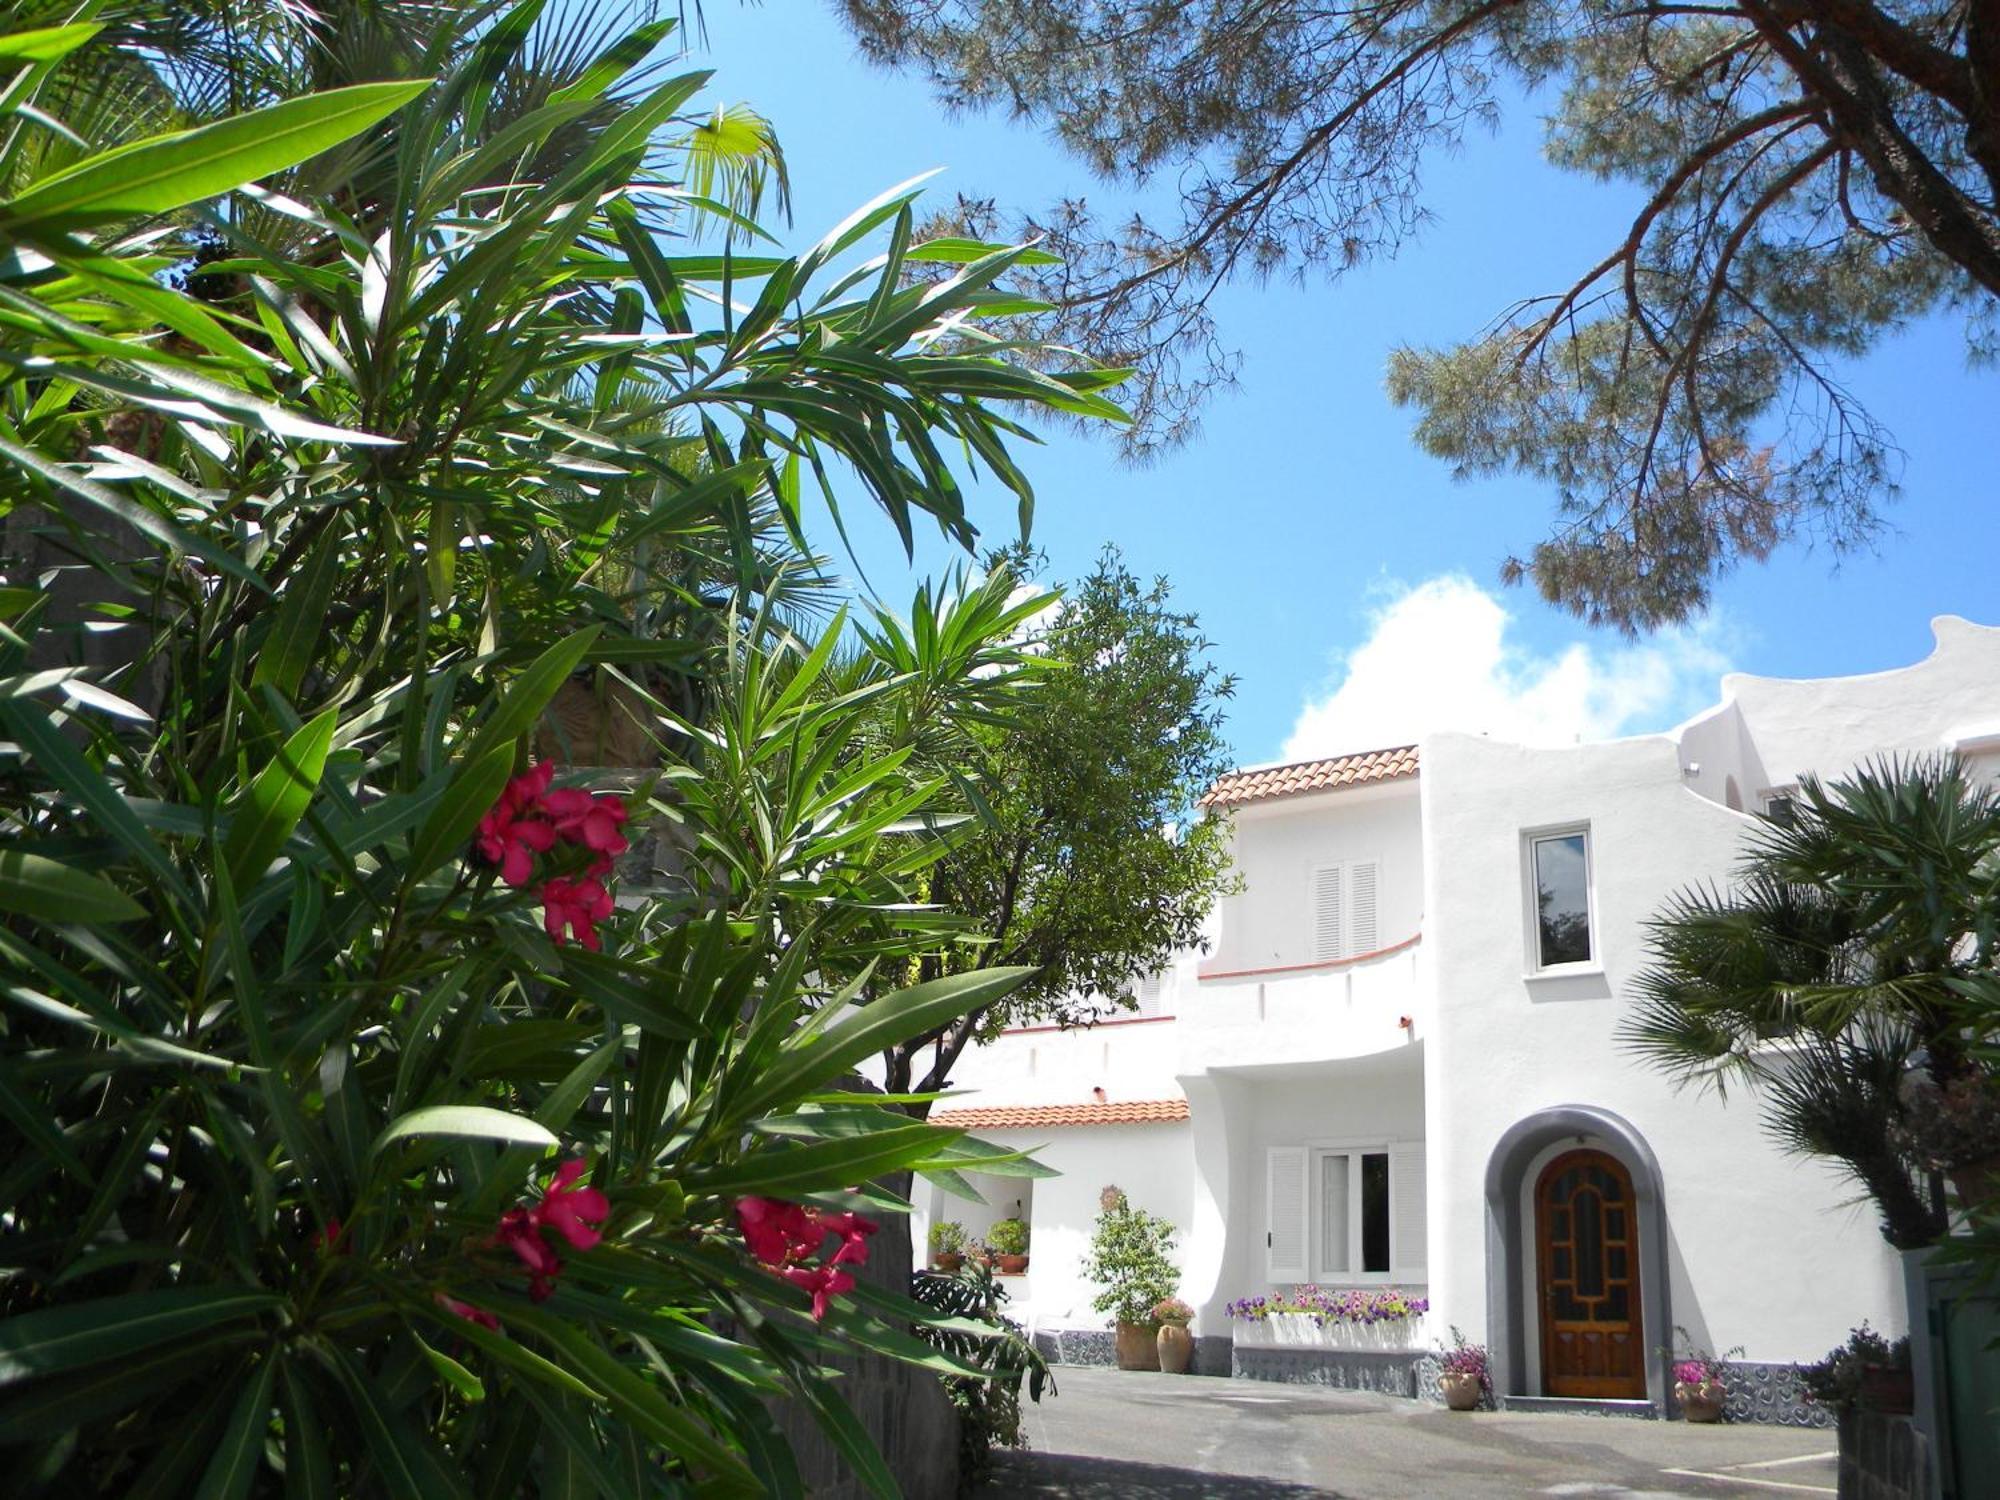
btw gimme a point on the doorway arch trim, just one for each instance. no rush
(1508, 1252)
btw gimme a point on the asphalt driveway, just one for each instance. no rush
(1121, 1435)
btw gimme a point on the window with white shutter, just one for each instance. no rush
(1406, 1166)
(1286, 1196)
(1361, 934)
(1328, 914)
(1344, 907)
(1149, 994)
(1367, 1213)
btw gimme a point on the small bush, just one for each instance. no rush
(1464, 1358)
(1835, 1381)
(947, 1237)
(1008, 1237)
(988, 1405)
(1128, 1258)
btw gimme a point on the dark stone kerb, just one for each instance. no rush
(1506, 1249)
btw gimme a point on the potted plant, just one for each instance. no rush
(1954, 1128)
(1464, 1376)
(1698, 1381)
(1868, 1370)
(1174, 1344)
(1128, 1258)
(1009, 1241)
(947, 1244)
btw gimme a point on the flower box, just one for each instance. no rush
(1290, 1330)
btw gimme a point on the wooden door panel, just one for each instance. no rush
(1587, 1263)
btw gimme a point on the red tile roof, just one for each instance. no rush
(1040, 1116)
(1262, 783)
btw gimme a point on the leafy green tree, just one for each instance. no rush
(1130, 1258)
(1087, 861)
(1809, 177)
(378, 1124)
(1846, 974)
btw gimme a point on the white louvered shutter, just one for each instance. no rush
(1408, 1235)
(1327, 914)
(1362, 936)
(1286, 1196)
(1149, 994)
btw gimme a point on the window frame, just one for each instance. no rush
(1316, 1153)
(1530, 913)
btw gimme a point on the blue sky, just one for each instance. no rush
(1347, 582)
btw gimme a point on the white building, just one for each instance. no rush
(1397, 1067)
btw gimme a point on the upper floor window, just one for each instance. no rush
(1343, 902)
(1559, 864)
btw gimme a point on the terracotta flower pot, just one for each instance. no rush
(1012, 1265)
(1700, 1403)
(1461, 1389)
(947, 1260)
(1885, 1388)
(1137, 1348)
(1176, 1348)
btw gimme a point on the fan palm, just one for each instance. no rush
(1850, 949)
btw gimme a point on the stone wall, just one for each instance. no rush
(903, 1409)
(1882, 1458)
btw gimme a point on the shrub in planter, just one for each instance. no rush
(1129, 1260)
(1867, 1370)
(1008, 1240)
(1698, 1380)
(947, 1244)
(1355, 1306)
(1464, 1373)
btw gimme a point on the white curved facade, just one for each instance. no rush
(1378, 1061)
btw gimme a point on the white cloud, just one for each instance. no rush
(1438, 657)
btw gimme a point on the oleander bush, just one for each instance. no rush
(400, 1102)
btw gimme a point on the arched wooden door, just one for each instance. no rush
(1587, 1258)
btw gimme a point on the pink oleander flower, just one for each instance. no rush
(590, 819)
(514, 831)
(328, 1241)
(785, 1236)
(853, 1230)
(468, 1312)
(821, 1282)
(778, 1233)
(565, 1207)
(519, 1232)
(574, 908)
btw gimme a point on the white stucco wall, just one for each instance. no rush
(1154, 1165)
(1827, 725)
(1764, 1250)
(1277, 846)
(1135, 1059)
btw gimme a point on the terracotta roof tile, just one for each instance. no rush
(1040, 1116)
(1265, 782)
